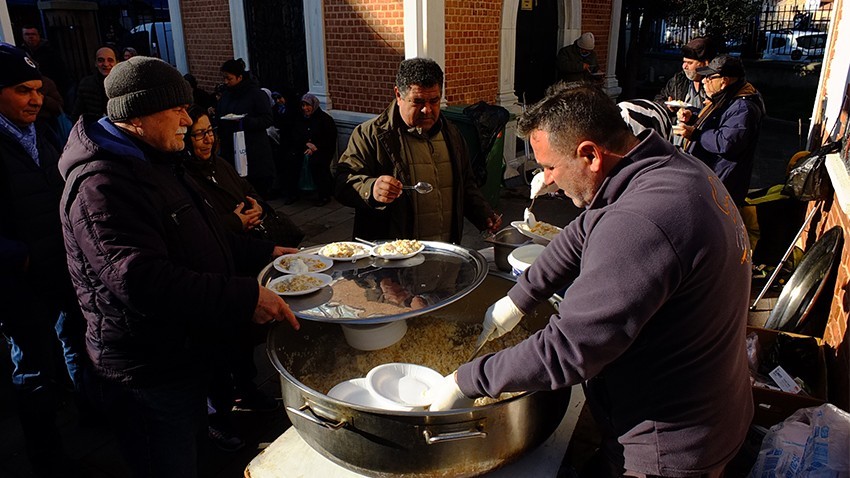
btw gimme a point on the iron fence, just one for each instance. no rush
(784, 33)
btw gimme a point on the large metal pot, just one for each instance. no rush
(383, 443)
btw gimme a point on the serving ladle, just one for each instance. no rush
(421, 187)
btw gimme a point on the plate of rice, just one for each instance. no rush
(302, 263)
(345, 251)
(541, 232)
(398, 249)
(299, 284)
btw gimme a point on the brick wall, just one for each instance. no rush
(473, 40)
(596, 18)
(364, 45)
(206, 26)
(836, 333)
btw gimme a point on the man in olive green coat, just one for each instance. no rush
(578, 62)
(407, 143)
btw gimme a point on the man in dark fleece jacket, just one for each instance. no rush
(158, 277)
(654, 319)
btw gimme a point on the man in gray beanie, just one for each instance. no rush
(160, 281)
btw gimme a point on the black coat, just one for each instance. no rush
(224, 188)
(91, 97)
(159, 279)
(247, 98)
(30, 230)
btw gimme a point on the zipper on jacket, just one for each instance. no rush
(178, 212)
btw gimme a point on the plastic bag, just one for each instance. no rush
(240, 154)
(809, 180)
(811, 443)
(305, 178)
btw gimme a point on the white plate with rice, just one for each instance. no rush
(302, 263)
(299, 284)
(541, 232)
(345, 251)
(398, 249)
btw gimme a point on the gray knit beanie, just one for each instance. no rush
(144, 85)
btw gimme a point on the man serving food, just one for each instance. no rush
(653, 323)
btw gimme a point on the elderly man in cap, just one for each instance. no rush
(577, 62)
(685, 87)
(160, 281)
(35, 288)
(725, 133)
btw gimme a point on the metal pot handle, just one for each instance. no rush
(315, 418)
(433, 438)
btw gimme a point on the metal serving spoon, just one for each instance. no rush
(421, 187)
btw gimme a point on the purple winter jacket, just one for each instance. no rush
(158, 278)
(654, 319)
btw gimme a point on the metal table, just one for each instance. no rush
(374, 290)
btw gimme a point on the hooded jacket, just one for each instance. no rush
(376, 148)
(157, 276)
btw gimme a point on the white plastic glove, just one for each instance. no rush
(447, 395)
(539, 187)
(499, 319)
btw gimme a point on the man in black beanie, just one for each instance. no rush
(686, 86)
(38, 301)
(159, 279)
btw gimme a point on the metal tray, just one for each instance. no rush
(374, 290)
(803, 288)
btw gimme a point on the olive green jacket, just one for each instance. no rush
(375, 149)
(571, 64)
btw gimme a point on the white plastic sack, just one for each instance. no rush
(811, 443)
(240, 155)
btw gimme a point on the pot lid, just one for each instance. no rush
(373, 290)
(803, 288)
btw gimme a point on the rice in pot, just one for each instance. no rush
(435, 343)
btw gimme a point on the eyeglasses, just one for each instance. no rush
(713, 77)
(200, 135)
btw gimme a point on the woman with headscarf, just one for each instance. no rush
(244, 107)
(314, 137)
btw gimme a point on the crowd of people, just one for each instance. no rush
(136, 252)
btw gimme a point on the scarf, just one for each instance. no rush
(718, 101)
(311, 100)
(25, 137)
